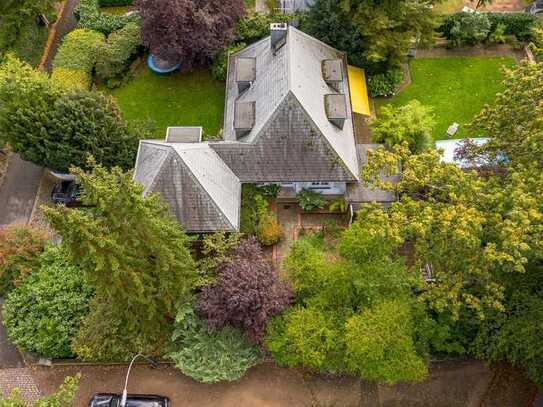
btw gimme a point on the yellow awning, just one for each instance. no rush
(359, 90)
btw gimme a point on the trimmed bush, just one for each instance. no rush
(208, 355)
(79, 50)
(72, 78)
(43, 314)
(385, 84)
(76, 57)
(114, 58)
(92, 18)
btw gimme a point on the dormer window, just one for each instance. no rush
(245, 73)
(244, 118)
(335, 106)
(332, 72)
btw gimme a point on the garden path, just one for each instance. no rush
(18, 191)
(66, 24)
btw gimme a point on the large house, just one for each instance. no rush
(294, 111)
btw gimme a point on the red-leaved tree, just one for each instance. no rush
(248, 292)
(188, 31)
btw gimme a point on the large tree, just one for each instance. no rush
(247, 293)
(134, 255)
(188, 31)
(57, 127)
(375, 33)
(354, 313)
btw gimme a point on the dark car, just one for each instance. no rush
(535, 8)
(133, 400)
(66, 193)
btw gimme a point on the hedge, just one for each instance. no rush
(72, 78)
(115, 56)
(78, 53)
(92, 18)
(516, 24)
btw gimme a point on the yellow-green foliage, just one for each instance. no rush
(269, 231)
(78, 52)
(72, 78)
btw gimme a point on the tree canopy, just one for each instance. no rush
(134, 255)
(56, 127)
(189, 32)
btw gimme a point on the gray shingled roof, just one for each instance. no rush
(294, 71)
(203, 193)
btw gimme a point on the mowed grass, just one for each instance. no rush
(456, 88)
(180, 99)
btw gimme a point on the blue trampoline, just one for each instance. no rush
(159, 70)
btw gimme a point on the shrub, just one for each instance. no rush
(518, 24)
(115, 56)
(466, 28)
(20, 249)
(253, 207)
(92, 18)
(338, 205)
(247, 293)
(310, 200)
(79, 50)
(269, 231)
(498, 35)
(72, 78)
(385, 84)
(412, 123)
(44, 312)
(220, 66)
(380, 347)
(207, 355)
(76, 57)
(256, 26)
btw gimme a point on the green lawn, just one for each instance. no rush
(456, 88)
(181, 99)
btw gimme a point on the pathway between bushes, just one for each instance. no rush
(18, 191)
(67, 23)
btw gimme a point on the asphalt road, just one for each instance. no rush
(18, 191)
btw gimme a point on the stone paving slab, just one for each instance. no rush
(22, 379)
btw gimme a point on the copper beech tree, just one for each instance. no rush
(188, 31)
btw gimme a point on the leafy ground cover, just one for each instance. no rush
(448, 7)
(456, 88)
(181, 99)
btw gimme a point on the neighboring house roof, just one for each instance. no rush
(292, 77)
(203, 193)
(358, 192)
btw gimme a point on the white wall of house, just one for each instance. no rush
(324, 188)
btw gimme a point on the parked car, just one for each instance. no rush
(66, 193)
(133, 400)
(535, 8)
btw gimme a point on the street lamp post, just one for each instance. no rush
(125, 391)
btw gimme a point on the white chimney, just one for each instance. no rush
(278, 35)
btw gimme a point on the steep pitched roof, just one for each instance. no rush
(203, 193)
(294, 69)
